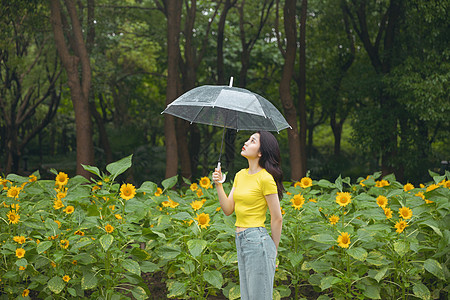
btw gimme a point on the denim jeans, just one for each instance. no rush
(256, 254)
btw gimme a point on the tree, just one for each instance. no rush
(29, 96)
(79, 81)
(285, 85)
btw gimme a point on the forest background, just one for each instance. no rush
(363, 83)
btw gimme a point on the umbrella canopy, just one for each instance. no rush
(228, 107)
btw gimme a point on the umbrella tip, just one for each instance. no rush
(231, 81)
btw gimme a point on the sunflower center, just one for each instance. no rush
(202, 220)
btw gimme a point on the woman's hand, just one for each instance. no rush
(217, 176)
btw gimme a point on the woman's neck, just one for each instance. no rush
(253, 166)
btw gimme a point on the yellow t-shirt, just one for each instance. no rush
(250, 204)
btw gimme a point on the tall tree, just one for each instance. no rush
(290, 111)
(380, 50)
(28, 78)
(301, 83)
(172, 10)
(79, 80)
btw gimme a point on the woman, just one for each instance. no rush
(254, 189)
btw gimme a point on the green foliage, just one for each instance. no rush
(98, 243)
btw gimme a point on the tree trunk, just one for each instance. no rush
(302, 89)
(285, 93)
(79, 83)
(102, 135)
(173, 34)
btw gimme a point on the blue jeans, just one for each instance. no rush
(256, 254)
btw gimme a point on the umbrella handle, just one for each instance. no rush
(224, 176)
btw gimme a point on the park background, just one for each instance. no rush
(363, 83)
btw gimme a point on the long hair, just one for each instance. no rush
(271, 159)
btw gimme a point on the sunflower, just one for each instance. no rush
(59, 223)
(158, 192)
(387, 212)
(127, 191)
(66, 278)
(297, 183)
(166, 203)
(428, 201)
(447, 184)
(13, 217)
(74, 262)
(64, 244)
(13, 192)
(173, 204)
(203, 220)
(61, 194)
(420, 194)
(79, 232)
(298, 201)
(400, 225)
(199, 193)
(194, 187)
(305, 182)
(344, 240)
(69, 209)
(57, 204)
(196, 205)
(382, 201)
(61, 179)
(25, 293)
(333, 219)
(408, 187)
(405, 213)
(205, 182)
(432, 187)
(118, 217)
(19, 239)
(20, 252)
(109, 228)
(381, 183)
(313, 200)
(15, 207)
(22, 268)
(343, 198)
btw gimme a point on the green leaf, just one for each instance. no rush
(372, 292)
(188, 267)
(435, 268)
(43, 246)
(320, 266)
(176, 289)
(51, 225)
(196, 247)
(358, 253)
(140, 254)
(93, 170)
(181, 216)
(131, 266)
(324, 238)
(295, 258)
(118, 167)
(84, 241)
(326, 184)
(169, 182)
(421, 291)
(21, 262)
(338, 183)
(148, 267)
(381, 274)
(328, 282)
(72, 292)
(106, 240)
(148, 187)
(401, 247)
(235, 292)
(433, 225)
(139, 293)
(214, 278)
(56, 284)
(88, 281)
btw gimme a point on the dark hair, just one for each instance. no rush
(271, 159)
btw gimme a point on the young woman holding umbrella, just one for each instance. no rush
(254, 190)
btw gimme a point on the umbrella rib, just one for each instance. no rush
(197, 114)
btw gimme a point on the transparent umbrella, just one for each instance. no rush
(227, 107)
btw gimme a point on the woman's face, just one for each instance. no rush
(251, 147)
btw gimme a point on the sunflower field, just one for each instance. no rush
(73, 237)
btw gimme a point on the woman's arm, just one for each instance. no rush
(226, 202)
(276, 219)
